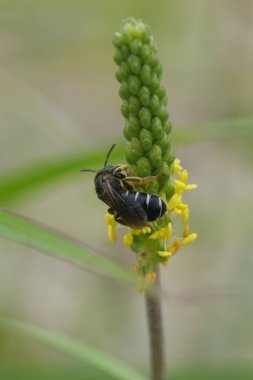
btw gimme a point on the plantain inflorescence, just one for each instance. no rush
(148, 146)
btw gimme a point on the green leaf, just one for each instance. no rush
(78, 350)
(22, 230)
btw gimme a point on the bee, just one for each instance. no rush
(130, 207)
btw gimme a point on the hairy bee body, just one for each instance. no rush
(153, 205)
(129, 207)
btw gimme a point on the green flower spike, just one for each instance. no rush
(148, 149)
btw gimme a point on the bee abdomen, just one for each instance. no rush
(153, 205)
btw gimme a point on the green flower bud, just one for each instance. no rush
(134, 105)
(118, 56)
(146, 139)
(134, 150)
(161, 93)
(125, 51)
(134, 84)
(155, 156)
(145, 117)
(124, 91)
(170, 191)
(154, 84)
(167, 127)
(152, 188)
(134, 64)
(145, 74)
(123, 72)
(156, 128)
(132, 129)
(144, 95)
(144, 53)
(136, 46)
(165, 142)
(153, 61)
(164, 115)
(155, 105)
(144, 167)
(125, 109)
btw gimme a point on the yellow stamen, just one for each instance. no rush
(111, 231)
(179, 185)
(128, 239)
(191, 186)
(182, 206)
(174, 247)
(184, 176)
(186, 231)
(109, 218)
(176, 167)
(151, 277)
(164, 254)
(189, 239)
(185, 215)
(174, 201)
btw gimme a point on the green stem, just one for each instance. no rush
(155, 327)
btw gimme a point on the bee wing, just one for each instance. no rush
(131, 213)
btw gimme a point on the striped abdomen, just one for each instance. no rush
(153, 205)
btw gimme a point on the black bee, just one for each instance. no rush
(129, 207)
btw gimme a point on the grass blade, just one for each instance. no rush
(16, 184)
(22, 230)
(98, 359)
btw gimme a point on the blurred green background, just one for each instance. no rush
(59, 100)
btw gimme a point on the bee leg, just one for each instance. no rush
(140, 181)
(111, 211)
(120, 168)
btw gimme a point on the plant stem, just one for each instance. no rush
(156, 337)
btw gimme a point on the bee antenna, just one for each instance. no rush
(88, 170)
(108, 154)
